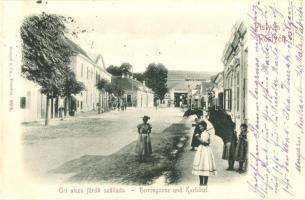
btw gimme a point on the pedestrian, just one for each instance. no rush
(118, 105)
(229, 149)
(195, 143)
(204, 163)
(241, 151)
(143, 147)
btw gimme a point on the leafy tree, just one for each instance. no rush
(114, 70)
(102, 84)
(126, 68)
(116, 90)
(108, 87)
(71, 85)
(45, 53)
(139, 76)
(111, 88)
(156, 79)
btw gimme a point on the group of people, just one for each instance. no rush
(119, 104)
(236, 149)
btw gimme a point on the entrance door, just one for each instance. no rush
(179, 97)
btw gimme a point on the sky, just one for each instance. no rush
(183, 35)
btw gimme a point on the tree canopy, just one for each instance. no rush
(125, 69)
(139, 76)
(46, 56)
(156, 79)
(114, 70)
(45, 51)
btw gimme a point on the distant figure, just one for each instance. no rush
(98, 105)
(195, 143)
(229, 150)
(143, 148)
(125, 105)
(204, 163)
(118, 105)
(156, 104)
(241, 151)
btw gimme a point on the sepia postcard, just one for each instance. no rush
(152, 99)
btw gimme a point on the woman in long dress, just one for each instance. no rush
(204, 163)
(143, 148)
(229, 150)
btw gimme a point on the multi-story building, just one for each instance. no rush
(235, 60)
(217, 91)
(87, 70)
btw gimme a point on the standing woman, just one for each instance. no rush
(143, 148)
(204, 163)
(229, 149)
(241, 152)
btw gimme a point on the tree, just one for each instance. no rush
(139, 76)
(117, 90)
(71, 86)
(45, 53)
(156, 79)
(125, 68)
(102, 85)
(114, 70)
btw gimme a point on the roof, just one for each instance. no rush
(127, 83)
(180, 75)
(78, 49)
(94, 59)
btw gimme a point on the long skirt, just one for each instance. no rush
(228, 151)
(241, 151)
(204, 162)
(143, 147)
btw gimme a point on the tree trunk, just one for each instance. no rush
(69, 106)
(99, 103)
(56, 107)
(52, 108)
(47, 111)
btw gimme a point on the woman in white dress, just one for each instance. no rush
(204, 163)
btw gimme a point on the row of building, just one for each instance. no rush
(229, 87)
(226, 90)
(88, 69)
(187, 89)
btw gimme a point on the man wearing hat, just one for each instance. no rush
(143, 148)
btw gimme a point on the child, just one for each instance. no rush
(241, 152)
(204, 163)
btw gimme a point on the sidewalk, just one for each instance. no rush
(223, 176)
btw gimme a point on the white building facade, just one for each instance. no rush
(87, 70)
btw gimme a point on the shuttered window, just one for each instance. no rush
(228, 99)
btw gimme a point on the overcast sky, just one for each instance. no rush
(183, 35)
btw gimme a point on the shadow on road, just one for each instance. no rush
(124, 166)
